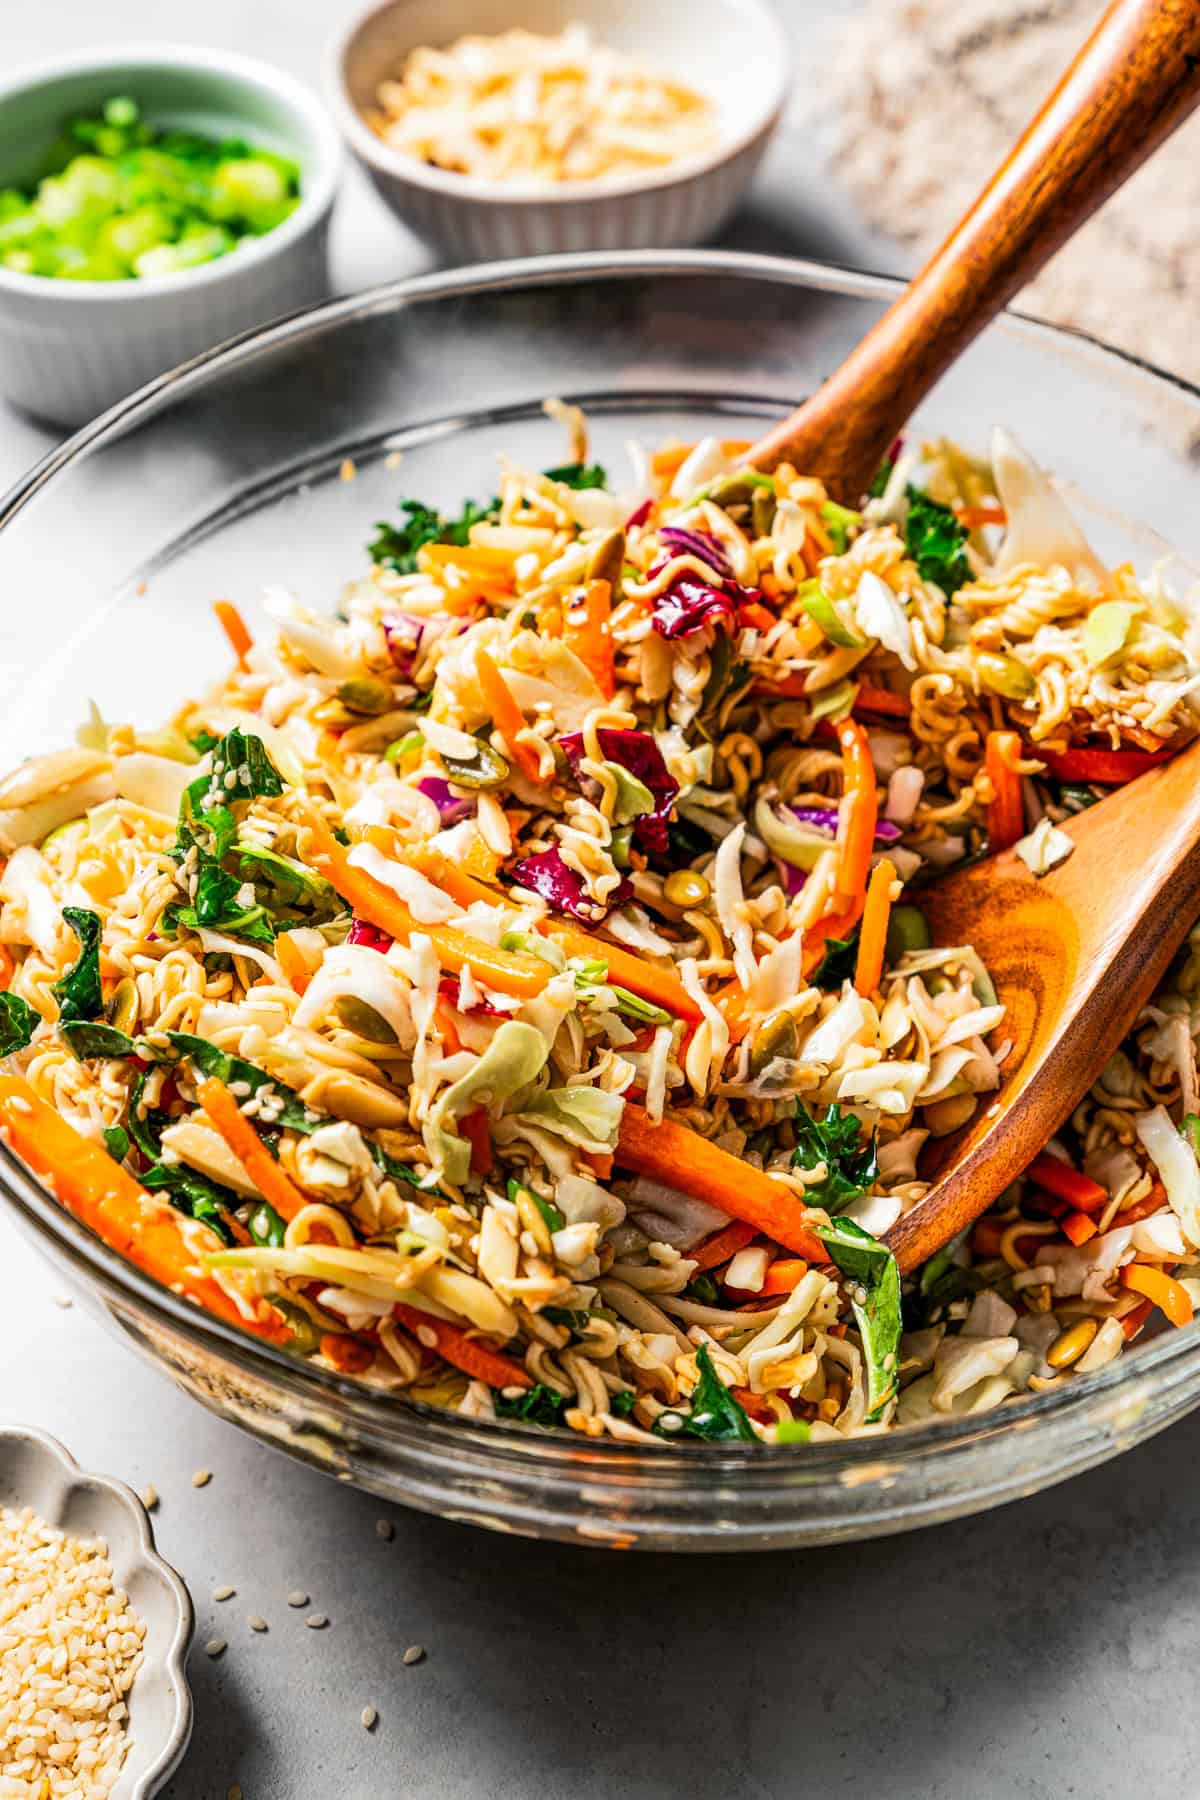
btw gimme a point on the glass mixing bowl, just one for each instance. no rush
(235, 471)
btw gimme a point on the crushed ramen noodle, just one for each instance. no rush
(511, 989)
(520, 107)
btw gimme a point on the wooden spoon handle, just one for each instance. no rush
(1133, 82)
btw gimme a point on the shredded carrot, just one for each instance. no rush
(1133, 1321)
(872, 940)
(671, 1153)
(1006, 814)
(235, 629)
(858, 814)
(882, 701)
(1145, 1208)
(506, 714)
(7, 968)
(349, 1355)
(510, 972)
(465, 1352)
(227, 1118)
(757, 616)
(474, 1127)
(784, 1275)
(754, 1404)
(975, 516)
(1161, 1289)
(104, 1196)
(444, 1014)
(589, 634)
(724, 1244)
(1078, 1227)
(671, 460)
(1058, 1177)
(771, 585)
(833, 925)
(292, 963)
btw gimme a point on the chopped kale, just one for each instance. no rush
(396, 546)
(851, 1162)
(539, 1405)
(579, 475)
(837, 964)
(78, 993)
(116, 1142)
(716, 1415)
(934, 539)
(242, 769)
(18, 1022)
(87, 1039)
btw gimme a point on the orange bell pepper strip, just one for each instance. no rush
(506, 714)
(1145, 1208)
(105, 1197)
(975, 516)
(590, 636)
(474, 1127)
(1059, 1178)
(858, 814)
(226, 1117)
(349, 1355)
(872, 940)
(235, 629)
(1161, 1289)
(881, 701)
(524, 977)
(671, 1153)
(292, 963)
(456, 1346)
(7, 969)
(1006, 814)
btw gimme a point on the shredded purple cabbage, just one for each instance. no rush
(639, 515)
(403, 632)
(563, 889)
(697, 543)
(451, 807)
(790, 880)
(361, 932)
(826, 819)
(637, 752)
(690, 604)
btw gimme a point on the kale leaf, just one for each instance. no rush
(716, 1415)
(18, 1022)
(874, 1278)
(265, 1225)
(288, 1109)
(242, 769)
(396, 546)
(88, 1039)
(187, 1191)
(78, 993)
(851, 1162)
(579, 475)
(934, 539)
(539, 1405)
(838, 963)
(116, 1142)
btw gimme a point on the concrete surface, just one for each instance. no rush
(1045, 1650)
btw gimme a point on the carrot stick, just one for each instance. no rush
(235, 629)
(670, 1153)
(1077, 1227)
(349, 1355)
(506, 714)
(292, 963)
(784, 1274)
(1162, 1290)
(975, 516)
(522, 976)
(465, 1352)
(226, 1117)
(1133, 1321)
(872, 940)
(1058, 1177)
(881, 700)
(481, 558)
(757, 615)
(591, 638)
(474, 1127)
(724, 1244)
(102, 1195)
(858, 814)
(7, 969)
(662, 987)
(1006, 814)
(1145, 1208)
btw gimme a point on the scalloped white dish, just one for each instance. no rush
(36, 1471)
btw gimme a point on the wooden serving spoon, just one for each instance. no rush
(1135, 79)
(1076, 954)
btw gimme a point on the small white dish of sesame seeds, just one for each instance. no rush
(81, 1548)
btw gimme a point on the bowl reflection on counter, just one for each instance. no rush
(110, 554)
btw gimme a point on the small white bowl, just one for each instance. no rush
(733, 51)
(69, 349)
(36, 1471)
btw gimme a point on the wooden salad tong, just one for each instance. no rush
(1075, 954)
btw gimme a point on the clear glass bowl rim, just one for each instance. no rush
(1079, 1416)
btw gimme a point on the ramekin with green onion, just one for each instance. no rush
(153, 201)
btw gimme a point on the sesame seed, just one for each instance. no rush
(224, 1593)
(256, 1622)
(316, 1621)
(297, 1598)
(201, 1478)
(214, 1647)
(368, 1715)
(149, 1496)
(63, 1300)
(385, 1529)
(414, 1654)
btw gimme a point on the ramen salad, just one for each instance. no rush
(511, 989)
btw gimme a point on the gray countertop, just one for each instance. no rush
(1046, 1649)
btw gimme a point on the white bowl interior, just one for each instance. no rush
(725, 49)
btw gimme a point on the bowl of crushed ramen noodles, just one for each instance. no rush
(586, 127)
(466, 1001)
